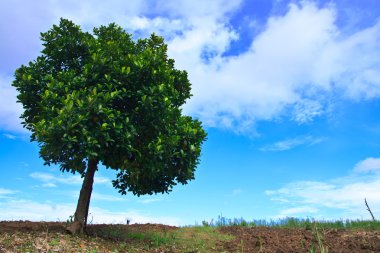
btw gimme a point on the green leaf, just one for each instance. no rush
(125, 70)
(70, 105)
(114, 93)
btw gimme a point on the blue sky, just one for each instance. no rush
(288, 91)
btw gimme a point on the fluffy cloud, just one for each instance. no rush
(4, 193)
(368, 165)
(50, 180)
(343, 196)
(292, 67)
(45, 211)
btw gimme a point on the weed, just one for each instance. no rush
(70, 219)
(261, 244)
(319, 238)
(205, 223)
(54, 242)
(6, 240)
(241, 246)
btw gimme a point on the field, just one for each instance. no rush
(223, 235)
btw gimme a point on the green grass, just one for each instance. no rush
(319, 238)
(197, 239)
(119, 234)
(115, 239)
(290, 222)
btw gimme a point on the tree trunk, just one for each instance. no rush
(81, 213)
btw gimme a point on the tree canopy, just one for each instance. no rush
(105, 97)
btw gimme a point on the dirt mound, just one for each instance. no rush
(243, 239)
(29, 226)
(262, 239)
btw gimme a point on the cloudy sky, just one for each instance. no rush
(288, 92)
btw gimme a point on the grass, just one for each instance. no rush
(290, 222)
(319, 238)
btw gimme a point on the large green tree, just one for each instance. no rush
(103, 97)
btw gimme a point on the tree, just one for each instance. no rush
(105, 98)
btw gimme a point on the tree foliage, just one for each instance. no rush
(106, 97)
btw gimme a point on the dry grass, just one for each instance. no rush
(55, 242)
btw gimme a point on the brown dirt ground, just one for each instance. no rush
(247, 239)
(278, 240)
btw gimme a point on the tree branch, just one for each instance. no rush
(369, 209)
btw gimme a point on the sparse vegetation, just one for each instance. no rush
(220, 235)
(290, 222)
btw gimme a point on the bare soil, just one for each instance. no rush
(243, 239)
(278, 240)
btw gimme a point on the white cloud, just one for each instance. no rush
(20, 41)
(306, 110)
(295, 63)
(34, 211)
(98, 12)
(368, 165)
(216, 9)
(5, 192)
(149, 200)
(10, 136)
(298, 210)
(292, 143)
(44, 211)
(338, 198)
(105, 197)
(101, 180)
(49, 185)
(10, 111)
(103, 216)
(261, 83)
(50, 180)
